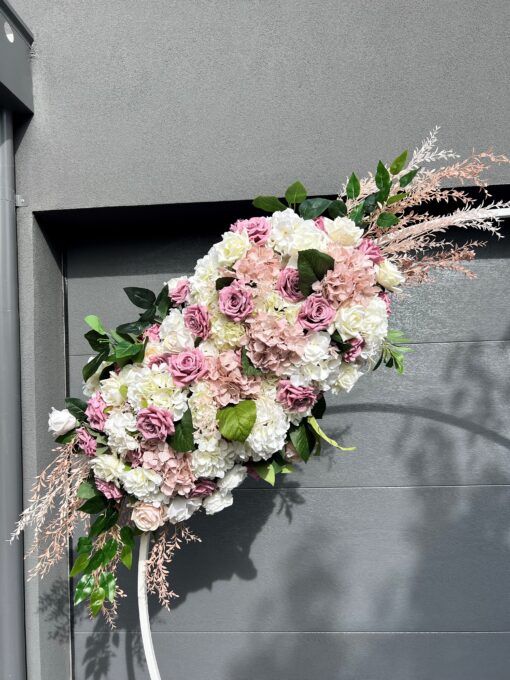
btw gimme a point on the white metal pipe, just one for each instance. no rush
(143, 610)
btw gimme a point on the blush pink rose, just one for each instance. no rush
(109, 490)
(296, 398)
(95, 412)
(257, 228)
(187, 366)
(319, 223)
(373, 252)
(316, 313)
(179, 293)
(235, 301)
(288, 285)
(86, 442)
(353, 353)
(197, 320)
(152, 333)
(155, 423)
(203, 488)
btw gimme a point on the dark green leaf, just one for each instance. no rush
(80, 563)
(163, 302)
(84, 545)
(108, 583)
(97, 341)
(269, 204)
(77, 408)
(337, 208)
(66, 438)
(370, 203)
(104, 522)
(247, 367)
(237, 421)
(95, 323)
(96, 601)
(91, 367)
(295, 194)
(319, 408)
(95, 561)
(86, 490)
(382, 176)
(149, 315)
(312, 267)
(386, 220)
(109, 550)
(353, 187)
(141, 297)
(313, 207)
(356, 214)
(182, 439)
(224, 281)
(125, 350)
(303, 440)
(94, 505)
(399, 163)
(133, 328)
(83, 588)
(408, 177)
(127, 537)
(126, 556)
(396, 198)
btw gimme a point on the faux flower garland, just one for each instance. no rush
(225, 373)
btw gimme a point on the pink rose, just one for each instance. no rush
(95, 412)
(316, 313)
(197, 320)
(257, 228)
(109, 490)
(187, 366)
(86, 442)
(295, 398)
(155, 423)
(203, 488)
(152, 333)
(235, 301)
(179, 292)
(148, 517)
(159, 359)
(373, 252)
(288, 285)
(353, 353)
(387, 301)
(319, 223)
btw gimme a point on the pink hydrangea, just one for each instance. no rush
(368, 248)
(257, 228)
(295, 398)
(179, 293)
(109, 490)
(273, 343)
(288, 285)
(235, 301)
(187, 367)
(228, 383)
(86, 442)
(353, 353)
(152, 333)
(95, 411)
(155, 455)
(177, 475)
(155, 423)
(352, 278)
(316, 313)
(260, 264)
(197, 320)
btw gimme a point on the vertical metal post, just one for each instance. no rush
(12, 628)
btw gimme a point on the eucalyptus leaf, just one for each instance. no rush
(237, 421)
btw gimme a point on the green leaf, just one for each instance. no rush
(382, 177)
(246, 365)
(182, 439)
(83, 588)
(84, 545)
(97, 341)
(108, 583)
(91, 367)
(356, 214)
(303, 441)
(370, 203)
(109, 550)
(141, 297)
(269, 204)
(126, 350)
(95, 561)
(313, 207)
(80, 563)
(312, 267)
(126, 556)
(104, 522)
(94, 505)
(95, 323)
(319, 408)
(127, 537)
(163, 302)
(266, 471)
(317, 429)
(67, 437)
(386, 220)
(399, 163)
(236, 421)
(96, 600)
(353, 187)
(77, 408)
(132, 328)
(337, 208)
(396, 198)
(86, 490)
(224, 281)
(408, 177)
(149, 314)
(295, 194)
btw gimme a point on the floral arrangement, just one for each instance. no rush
(225, 373)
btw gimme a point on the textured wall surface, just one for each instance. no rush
(390, 563)
(162, 101)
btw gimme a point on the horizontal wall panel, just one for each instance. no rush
(425, 559)
(443, 422)
(300, 656)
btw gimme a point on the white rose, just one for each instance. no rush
(217, 501)
(232, 247)
(375, 322)
(306, 236)
(148, 517)
(181, 509)
(108, 466)
(342, 230)
(347, 378)
(142, 483)
(349, 321)
(61, 422)
(174, 334)
(388, 275)
(233, 478)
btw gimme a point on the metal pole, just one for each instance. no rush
(12, 628)
(143, 610)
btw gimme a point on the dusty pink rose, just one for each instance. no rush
(159, 359)
(273, 343)
(95, 412)
(319, 223)
(197, 320)
(179, 292)
(177, 475)
(316, 313)
(235, 301)
(352, 278)
(257, 228)
(353, 353)
(297, 398)
(203, 488)
(228, 383)
(260, 264)
(86, 442)
(288, 285)
(152, 333)
(135, 457)
(148, 517)
(368, 247)
(187, 366)
(387, 301)
(155, 423)
(109, 490)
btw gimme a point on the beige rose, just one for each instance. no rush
(147, 517)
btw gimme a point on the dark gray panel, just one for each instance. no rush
(443, 422)
(399, 559)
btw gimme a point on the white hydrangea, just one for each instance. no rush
(217, 501)
(142, 483)
(347, 377)
(369, 322)
(290, 233)
(232, 247)
(203, 282)
(180, 509)
(318, 365)
(211, 464)
(388, 275)
(115, 388)
(270, 428)
(156, 387)
(174, 335)
(204, 411)
(108, 466)
(234, 478)
(344, 231)
(118, 427)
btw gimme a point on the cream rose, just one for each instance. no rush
(61, 422)
(181, 509)
(348, 375)
(342, 230)
(108, 466)
(142, 483)
(231, 248)
(349, 321)
(388, 275)
(148, 517)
